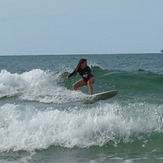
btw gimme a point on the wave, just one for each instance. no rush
(48, 87)
(139, 83)
(37, 85)
(30, 128)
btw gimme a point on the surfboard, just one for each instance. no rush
(101, 96)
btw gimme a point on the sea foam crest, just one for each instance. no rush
(29, 128)
(10, 84)
(37, 85)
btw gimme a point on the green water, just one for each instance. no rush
(43, 120)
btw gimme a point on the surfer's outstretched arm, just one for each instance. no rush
(72, 74)
(65, 78)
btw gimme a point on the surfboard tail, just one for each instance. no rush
(101, 96)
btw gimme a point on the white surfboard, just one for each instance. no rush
(101, 96)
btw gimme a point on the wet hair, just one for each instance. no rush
(81, 61)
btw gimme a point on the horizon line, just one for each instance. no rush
(78, 54)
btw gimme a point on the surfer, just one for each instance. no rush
(85, 73)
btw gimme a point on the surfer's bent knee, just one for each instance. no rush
(91, 80)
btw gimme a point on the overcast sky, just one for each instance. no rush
(81, 26)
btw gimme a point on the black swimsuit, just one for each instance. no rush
(82, 72)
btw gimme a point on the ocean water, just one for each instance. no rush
(43, 120)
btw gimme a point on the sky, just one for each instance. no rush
(80, 26)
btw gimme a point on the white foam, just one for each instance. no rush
(37, 85)
(28, 128)
(10, 84)
(93, 64)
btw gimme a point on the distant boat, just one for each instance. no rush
(161, 51)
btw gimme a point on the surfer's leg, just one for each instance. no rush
(79, 83)
(90, 82)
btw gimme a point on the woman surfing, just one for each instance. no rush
(85, 73)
